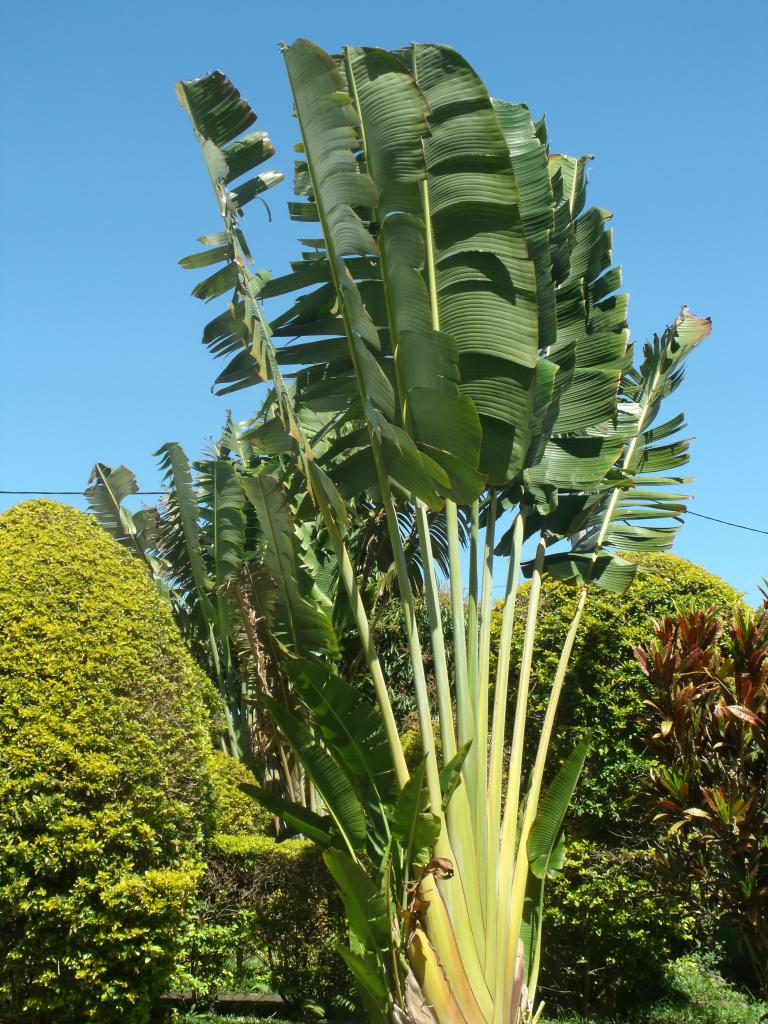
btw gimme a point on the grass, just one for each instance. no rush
(696, 995)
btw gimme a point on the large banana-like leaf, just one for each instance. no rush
(421, 360)
(351, 728)
(106, 491)
(221, 509)
(180, 535)
(393, 126)
(627, 513)
(485, 280)
(220, 115)
(327, 120)
(301, 623)
(332, 783)
(313, 826)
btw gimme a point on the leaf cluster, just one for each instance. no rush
(710, 733)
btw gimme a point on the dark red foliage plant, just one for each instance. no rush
(710, 736)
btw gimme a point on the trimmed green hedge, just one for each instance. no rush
(235, 813)
(104, 788)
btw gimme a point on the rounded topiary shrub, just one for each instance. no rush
(104, 789)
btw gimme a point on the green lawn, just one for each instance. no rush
(695, 996)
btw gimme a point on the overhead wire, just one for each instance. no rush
(138, 494)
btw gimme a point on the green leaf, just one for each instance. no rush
(224, 280)
(327, 119)
(450, 776)
(309, 824)
(217, 109)
(350, 727)
(576, 463)
(221, 509)
(552, 808)
(607, 571)
(107, 490)
(247, 152)
(393, 114)
(415, 829)
(365, 905)
(332, 784)
(205, 258)
(180, 533)
(373, 991)
(303, 625)
(487, 283)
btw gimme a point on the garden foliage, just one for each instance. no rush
(267, 916)
(104, 790)
(710, 682)
(236, 813)
(611, 927)
(606, 688)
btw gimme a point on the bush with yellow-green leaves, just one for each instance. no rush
(104, 784)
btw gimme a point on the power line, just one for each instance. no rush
(725, 522)
(688, 512)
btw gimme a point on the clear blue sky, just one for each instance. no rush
(104, 190)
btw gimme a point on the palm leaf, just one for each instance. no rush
(106, 491)
(180, 541)
(486, 282)
(221, 510)
(351, 728)
(300, 623)
(332, 783)
(313, 826)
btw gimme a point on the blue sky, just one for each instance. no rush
(104, 190)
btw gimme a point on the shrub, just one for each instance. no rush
(268, 915)
(607, 930)
(605, 688)
(235, 813)
(710, 727)
(104, 792)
